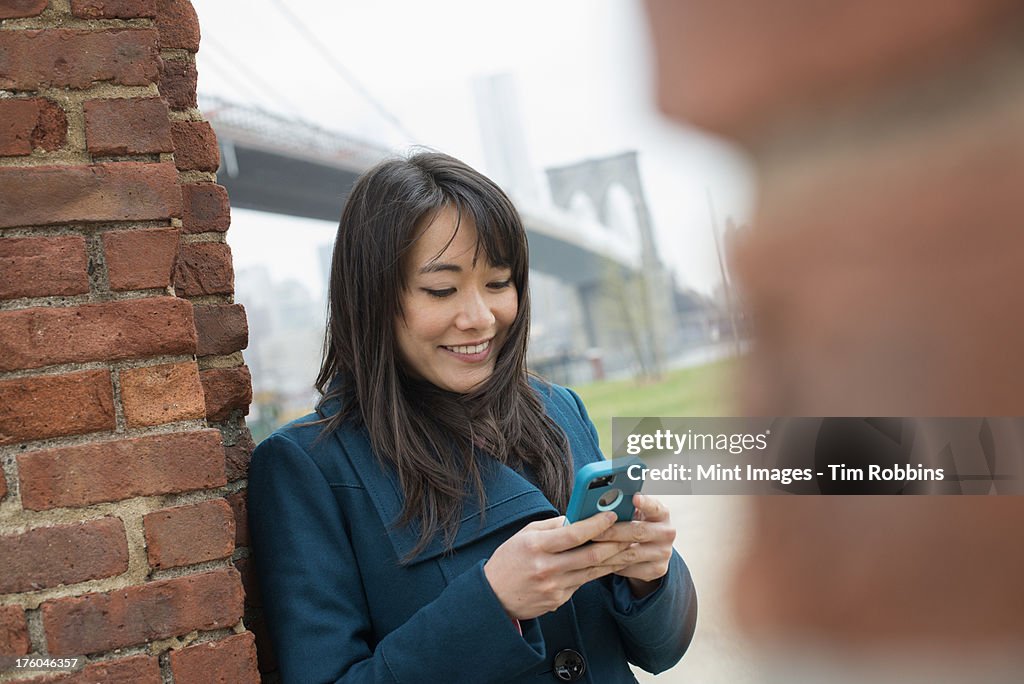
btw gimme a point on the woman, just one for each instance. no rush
(409, 530)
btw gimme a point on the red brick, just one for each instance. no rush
(101, 622)
(33, 60)
(236, 456)
(848, 553)
(229, 661)
(123, 191)
(731, 67)
(195, 146)
(844, 223)
(64, 554)
(28, 124)
(189, 534)
(154, 395)
(140, 259)
(204, 268)
(13, 631)
(12, 9)
(139, 669)
(220, 329)
(3, 486)
(178, 24)
(226, 389)
(127, 126)
(43, 266)
(113, 9)
(54, 405)
(239, 510)
(113, 471)
(178, 83)
(127, 329)
(205, 208)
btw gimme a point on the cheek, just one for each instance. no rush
(426, 324)
(506, 310)
(403, 338)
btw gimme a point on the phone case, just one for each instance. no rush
(604, 486)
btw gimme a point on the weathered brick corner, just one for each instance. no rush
(123, 447)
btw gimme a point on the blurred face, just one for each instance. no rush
(457, 313)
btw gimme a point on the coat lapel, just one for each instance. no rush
(510, 497)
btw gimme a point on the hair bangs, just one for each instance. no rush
(500, 233)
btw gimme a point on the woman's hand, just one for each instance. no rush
(540, 567)
(649, 537)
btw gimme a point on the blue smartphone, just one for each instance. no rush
(605, 486)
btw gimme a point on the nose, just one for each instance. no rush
(475, 313)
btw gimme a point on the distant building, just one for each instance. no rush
(286, 329)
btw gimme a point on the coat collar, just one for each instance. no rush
(510, 497)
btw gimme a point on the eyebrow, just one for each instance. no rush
(438, 267)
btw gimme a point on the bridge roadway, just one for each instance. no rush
(272, 164)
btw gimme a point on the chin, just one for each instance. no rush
(466, 385)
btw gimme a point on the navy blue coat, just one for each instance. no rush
(342, 608)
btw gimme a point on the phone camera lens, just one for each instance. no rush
(609, 499)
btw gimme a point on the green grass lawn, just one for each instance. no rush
(699, 391)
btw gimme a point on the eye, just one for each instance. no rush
(440, 294)
(500, 284)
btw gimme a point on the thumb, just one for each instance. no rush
(548, 523)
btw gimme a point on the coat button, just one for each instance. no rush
(569, 665)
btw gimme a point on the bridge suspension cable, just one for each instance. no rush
(222, 59)
(341, 70)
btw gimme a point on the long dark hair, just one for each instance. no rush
(430, 436)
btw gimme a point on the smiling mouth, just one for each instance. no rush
(469, 350)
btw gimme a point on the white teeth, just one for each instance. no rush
(475, 349)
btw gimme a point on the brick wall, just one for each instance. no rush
(884, 274)
(122, 385)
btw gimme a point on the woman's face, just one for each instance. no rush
(456, 313)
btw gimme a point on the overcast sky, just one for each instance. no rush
(582, 68)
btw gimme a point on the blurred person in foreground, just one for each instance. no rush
(883, 275)
(410, 529)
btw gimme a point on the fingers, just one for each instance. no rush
(578, 578)
(652, 524)
(634, 531)
(571, 536)
(646, 572)
(639, 532)
(638, 554)
(652, 509)
(590, 555)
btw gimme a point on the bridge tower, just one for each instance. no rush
(598, 181)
